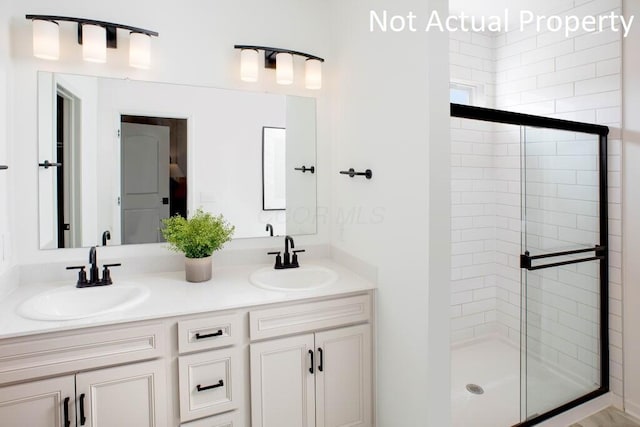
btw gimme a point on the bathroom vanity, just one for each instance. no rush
(221, 353)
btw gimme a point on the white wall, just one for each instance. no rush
(631, 208)
(195, 47)
(391, 116)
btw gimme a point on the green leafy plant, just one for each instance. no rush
(198, 236)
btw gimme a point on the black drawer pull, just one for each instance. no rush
(311, 366)
(67, 422)
(215, 334)
(209, 387)
(321, 365)
(83, 419)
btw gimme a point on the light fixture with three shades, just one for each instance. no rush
(94, 36)
(282, 61)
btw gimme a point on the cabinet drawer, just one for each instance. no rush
(73, 351)
(208, 333)
(228, 419)
(293, 319)
(210, 383)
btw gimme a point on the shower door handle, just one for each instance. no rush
(526, 259)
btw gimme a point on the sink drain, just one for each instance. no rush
(475, 389)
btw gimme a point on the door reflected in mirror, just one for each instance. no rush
(131, 153)
(154, 184)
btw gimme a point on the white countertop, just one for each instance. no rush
(172, 296)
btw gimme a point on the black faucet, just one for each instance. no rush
(94, 272)
(287, 240)
(287, 261)
(269, 228)
(106, 236)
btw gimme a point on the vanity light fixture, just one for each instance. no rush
(282, 61)
(94, 43)
(46, 43)
(94, 36)
(284, 68)
(249, 65)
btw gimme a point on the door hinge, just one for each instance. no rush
(118, 133)
(118, 201)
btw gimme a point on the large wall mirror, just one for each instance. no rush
(117, 156)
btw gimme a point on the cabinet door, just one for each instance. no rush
(124, 396)
(282, 383)
(39, 404)
(343, 377)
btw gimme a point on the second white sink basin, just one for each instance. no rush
(69, 302)
(293, 279)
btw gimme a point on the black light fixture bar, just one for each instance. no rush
(111, 27)
(270, 53)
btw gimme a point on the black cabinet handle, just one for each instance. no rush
(321, 365)
(3, 167)
(311, 366)
(67, 421)
(215, 334)
(83, 419)
(209, 387)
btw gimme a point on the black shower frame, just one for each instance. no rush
(519, 119)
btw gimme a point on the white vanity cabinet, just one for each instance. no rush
(211, 380)
(121, 396)
(319, 378)
(288, 364)
(84, 393)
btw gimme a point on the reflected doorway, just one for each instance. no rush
(153, 175)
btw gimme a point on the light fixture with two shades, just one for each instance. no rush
(94, 36)
(282, 61)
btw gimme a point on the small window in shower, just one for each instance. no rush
(466, 93)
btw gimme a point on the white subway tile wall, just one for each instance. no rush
(576, 78)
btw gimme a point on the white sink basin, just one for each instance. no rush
(293, 279)
(69, 302)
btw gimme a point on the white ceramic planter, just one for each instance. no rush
(198, 269)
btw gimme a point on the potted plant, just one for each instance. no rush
(197, 237)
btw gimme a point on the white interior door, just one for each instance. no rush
(39, 403)
(282, 383)
(145, 182)
(343, 377)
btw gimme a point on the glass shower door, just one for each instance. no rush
(562, 266)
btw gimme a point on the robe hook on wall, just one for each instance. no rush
(351, 172)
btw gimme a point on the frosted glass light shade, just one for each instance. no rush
(313, 74)
(46, 41)
(140, 50)
(94, 43)
(249, 65)
(284, 68)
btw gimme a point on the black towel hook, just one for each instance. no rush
(351, 172)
